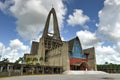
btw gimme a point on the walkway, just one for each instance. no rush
(67, 77)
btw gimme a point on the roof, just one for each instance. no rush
(71, 43)
(34, 48)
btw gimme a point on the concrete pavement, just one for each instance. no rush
(67, 77)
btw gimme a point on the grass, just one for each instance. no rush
(3, 74)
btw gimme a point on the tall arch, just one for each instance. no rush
(55, 25)
(84, 66)
(54, 41)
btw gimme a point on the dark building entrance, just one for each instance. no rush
(79, 66)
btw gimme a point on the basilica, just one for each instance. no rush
(52, 51)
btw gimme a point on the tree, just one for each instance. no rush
(106, 63)
(41, 59)
(19, 60)
(5, 60)
(35, 59)
(28, 60)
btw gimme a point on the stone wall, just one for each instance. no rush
(91, 58)
(59, 57)
(34, 48)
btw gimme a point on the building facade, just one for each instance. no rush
(52, 51)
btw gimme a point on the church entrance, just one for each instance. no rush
(84, 66)
(76, 67)
(80, 66)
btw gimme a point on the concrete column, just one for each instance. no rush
(61, 70)
(8, 69)
(33, 70)
(43, 71)
(52, 70)
(1, 68)
(21, 72)
(37, 70)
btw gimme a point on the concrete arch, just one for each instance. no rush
(55, 25)
(84, 66)
(79, 66)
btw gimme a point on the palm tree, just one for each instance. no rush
(106, 63)
(41, 59)
(5, 60)
(19, 60)
(35, 60)
(28, 60)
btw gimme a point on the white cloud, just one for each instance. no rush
(1, 50)
(77, 18)
(15, 50)
(12, 55)
(1, 5)
(62, 38)
(109, 17)
(107, 54)
(117, 47)
(88, 38)
(110, 54)
(109, 27)
(31, 15)
(17, 44)
(1, 46)
(86, 27)
(5, 5)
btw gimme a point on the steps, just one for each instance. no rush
(83, 72)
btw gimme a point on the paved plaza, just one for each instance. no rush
(67, 77)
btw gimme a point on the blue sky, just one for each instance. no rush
(90, 8)
(95, 22)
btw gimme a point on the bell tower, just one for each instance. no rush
(54, 40)
(48, 40)
(55, 25)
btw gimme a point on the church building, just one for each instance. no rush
(52, 51)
